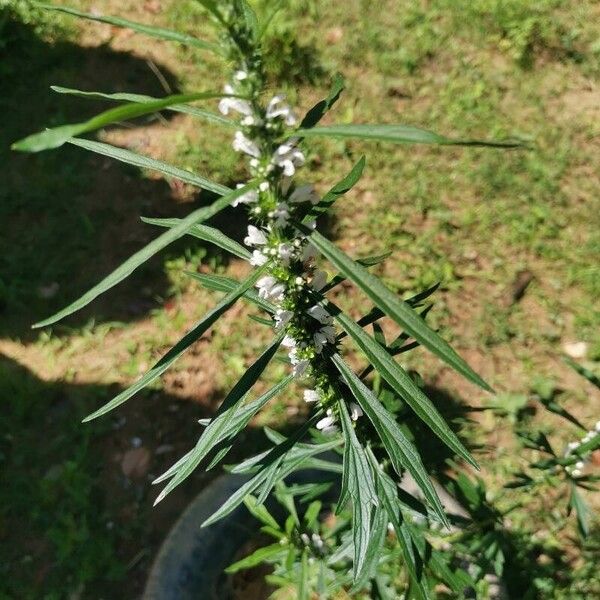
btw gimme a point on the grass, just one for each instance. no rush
(470, 218)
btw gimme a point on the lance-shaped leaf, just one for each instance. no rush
(277, 464)
(401, 382)
(394, 307)
(140, 257)
(184, 343)
(400, 134)
(377, 535)
(156, 32)
(143, 99)
(316, 113)
(227, 422)
(400, 449)
(206, 233)
(220, 283)
(144, 162)
(268, 554)
(387, 493)
(357, 485)
(339, 189)
(57, 136)
(375, 314)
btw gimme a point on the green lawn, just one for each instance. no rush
(70, 521)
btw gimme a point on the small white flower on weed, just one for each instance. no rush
(289, 342)
(288, 157)
(255, 237)
(240, 75)
(282, 317)
(278, 108)
(242, 144)
(355, 411)
(247, 198)
(281, 214)
(285, 253)
(237, 104)
(311, 396)
(258, 259)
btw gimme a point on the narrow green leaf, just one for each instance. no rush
(339, 189)
(400, 449)
(266, 554)
(157, 32)
(275, 466)
(178, 349)
(395, 308)
(226, 284)
(140, 257)
(374, 547)
(400, 134)
(358, 484)
(581, 509)
(402, 383)
(143, 162)
(230, 419)
(303, 590)
(260, 512)
(317, 112)
(387, 492)
(57, 136)
(212, 8)
(208, 234)
(143, 99)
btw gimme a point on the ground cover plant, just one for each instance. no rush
(382, 249)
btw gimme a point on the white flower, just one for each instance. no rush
(255, 237)
(597, 426)
(320, 314)
(305, 539)
(242, 144)
(300, 367)
(285, 253)
(269, 288)
(258, 259)
(246, 198)
(289, 342)
(288, 157)
(304, 193)
(240, 75)
(319, 280)
(237, 104)
(579, 465)
(355, 411)
(316, 540)
(327, 424)
(311, 396)
(576, 473)
(277, 108)
(248, 121)
(264, 186)
(281, 214)
(282, 317)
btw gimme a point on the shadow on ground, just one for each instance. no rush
(76, 499)
(67, 217)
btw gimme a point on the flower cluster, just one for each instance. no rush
(276, 204)
(576, 470)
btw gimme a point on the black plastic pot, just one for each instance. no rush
(191, 561)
